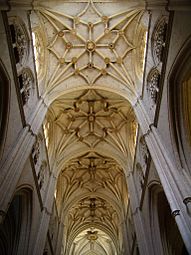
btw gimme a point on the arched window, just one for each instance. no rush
(4, 104)
(180, 105)
(15, 228)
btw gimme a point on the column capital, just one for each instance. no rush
(175, 213)
(187, 200)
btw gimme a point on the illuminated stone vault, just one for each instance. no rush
(95, 127)
(83, 47)
(89, 58)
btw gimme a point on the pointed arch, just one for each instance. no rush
(163, 225)
(179, 96)
(15, 228)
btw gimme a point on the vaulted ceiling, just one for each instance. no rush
(89, 58)
(91, 134)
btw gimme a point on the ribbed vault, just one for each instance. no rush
(89, 59)
(90, 119)
(93, 241)
(91, 134)
(84, 44)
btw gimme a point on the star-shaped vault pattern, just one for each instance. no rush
(89, 56)
(91, 48)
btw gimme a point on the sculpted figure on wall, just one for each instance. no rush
(158, 39)
(153, 80)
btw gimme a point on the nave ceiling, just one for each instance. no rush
(86, 44)
(89, 59)
(95, 194)
(91, 134)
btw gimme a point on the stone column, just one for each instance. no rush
(12, 167)
(45, 217)
(125, 238)
(36, 119)
(173, 182)
(144, 247)
(60, 238)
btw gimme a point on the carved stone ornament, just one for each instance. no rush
(21, 41)
(153, 85)
(158, 39)
(27, 84)
(144, 153)
(36, 151)
(19, 38)
(92, 235)
(140, 174)
(41, 174)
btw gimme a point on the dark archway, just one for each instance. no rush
(165, 234)
(15, 229)
(170, 236)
